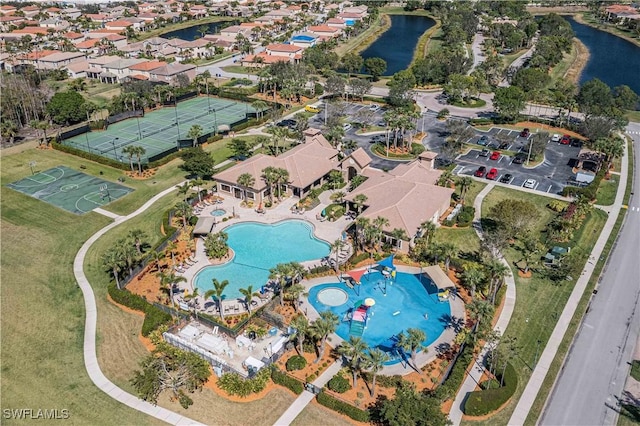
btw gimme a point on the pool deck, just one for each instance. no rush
(324, 230)
(442, 343)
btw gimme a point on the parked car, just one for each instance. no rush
(495, 155)
(484, 140)
(504, 145)
(524, 133)
(484, 153)
(346, 126)
(507, 178)
(575, 142)
(555, 138)
(287, 123)
(481, 171)
(374, 107)
(529, 183)
(493, 174)
(566, 140)
(311, 108)
(519, 159)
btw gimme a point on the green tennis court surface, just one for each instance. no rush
(70, 189)
(159, 131)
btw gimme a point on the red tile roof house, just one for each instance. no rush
(622, 13)
(30, 11)
(274, 53)
(120, 25)
(144, 69)
(7, 21)
(324, 30)
(407, 196)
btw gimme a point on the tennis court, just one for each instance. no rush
(158, 132)
(70, 189)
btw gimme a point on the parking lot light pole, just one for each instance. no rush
(529, 155)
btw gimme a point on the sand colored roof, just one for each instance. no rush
(361, 157)
(439, 278)
(62, 56)
(406, 197)
(78, 66)
(335, 21)
(305, 163)
(101, 60)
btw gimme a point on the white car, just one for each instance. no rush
(529, 183)
(555, 138)
(374, 107)
(346, 126)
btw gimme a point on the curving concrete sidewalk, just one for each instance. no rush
(90, 357)
(474, 375)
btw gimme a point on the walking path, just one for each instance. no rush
(473, 376)
(306, 397)
(107, 213)
(90, 356)
(548, 355)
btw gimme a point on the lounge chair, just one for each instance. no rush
(236, 308)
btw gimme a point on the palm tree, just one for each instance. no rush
(282, 176)
(216, 293)
(296, 271)
(399, 234)
(130, 151)
(280, 273)
(249, 294)
(183, 210)
(448, 250)
(480, 310)
(155, 257)
(139, 151)
(428, 228)
(472, 277)
(496, 271)
(9, 130)
(359, 201)
(301, 326)
(197, 183)
(112, 260)
(335, 247)
(270, 177)
(322, 328)
(168, 281)
(374, 362)
(464, 183)
(246, 180)
(294, 292)
(412, 342)
(379, 223)
(193, 300)
(184, 190)
(361, 224)
(354, 351)
(194, 133)
(171, 249)
(138, 236)
(259, 106)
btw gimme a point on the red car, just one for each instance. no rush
(480, 172)
(495, 155)
(524, 133)
(566, 140)
(493, 174)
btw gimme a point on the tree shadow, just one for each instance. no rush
(452, 322)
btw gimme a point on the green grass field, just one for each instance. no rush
(539, 302)
(606, 194)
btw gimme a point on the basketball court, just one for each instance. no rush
(70, 189)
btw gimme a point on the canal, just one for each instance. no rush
(191, 33)
(396, 45)
(613, 60)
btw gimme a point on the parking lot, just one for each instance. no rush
(550, 176)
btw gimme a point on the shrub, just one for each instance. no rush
(443, 113)
(288, 382)
(319, 89)
(339, 384)
(457, 374)
(556, 205)
(153, 317)
(482, 402)
(343, 408)
(296, 362)
(465, 217)
(480, 121)
(234, 384)
(417, 149)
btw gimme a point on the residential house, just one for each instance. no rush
(71, 13)
(170, 73)
(96, 64)
(118, 70)
(234, 30)
(142, 71)
(274, 53)
(120, 25)
(30, 11)
(60, 59)
(78, 69)
(10, 21)
(336, 23)
(622, 14)
(324, 31)
(198, 11)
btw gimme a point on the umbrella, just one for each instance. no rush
(369, 301)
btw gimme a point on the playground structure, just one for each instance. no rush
(360, 317)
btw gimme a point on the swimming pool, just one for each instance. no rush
(259, 247)
(218, 212)
(407, 301)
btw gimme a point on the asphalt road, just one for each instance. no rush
(596, 368)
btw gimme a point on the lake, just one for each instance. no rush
(396, 45)
(191, 33)
(613, 60)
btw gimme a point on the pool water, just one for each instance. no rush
(407, 301)
(258, 248)
(218, 212)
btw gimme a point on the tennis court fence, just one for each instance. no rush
(67, 134)
(117, 146)
(124, 115)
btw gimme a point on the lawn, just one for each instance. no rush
(239, 69)
(539, 301)
(606, 194)
(360, 42)
(42, 306)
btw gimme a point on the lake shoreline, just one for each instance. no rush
(576, 68)
(579, 18)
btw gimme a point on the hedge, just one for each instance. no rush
(153, 317)
(588, 191)
(343, 408)
(234, 384)
(93, 157)
(296, 362)
(482, 402)
(458, 372)
(339, 384)
(288, 382)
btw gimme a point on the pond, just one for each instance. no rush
(191, 33)
(613, 60)
(396, 45)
